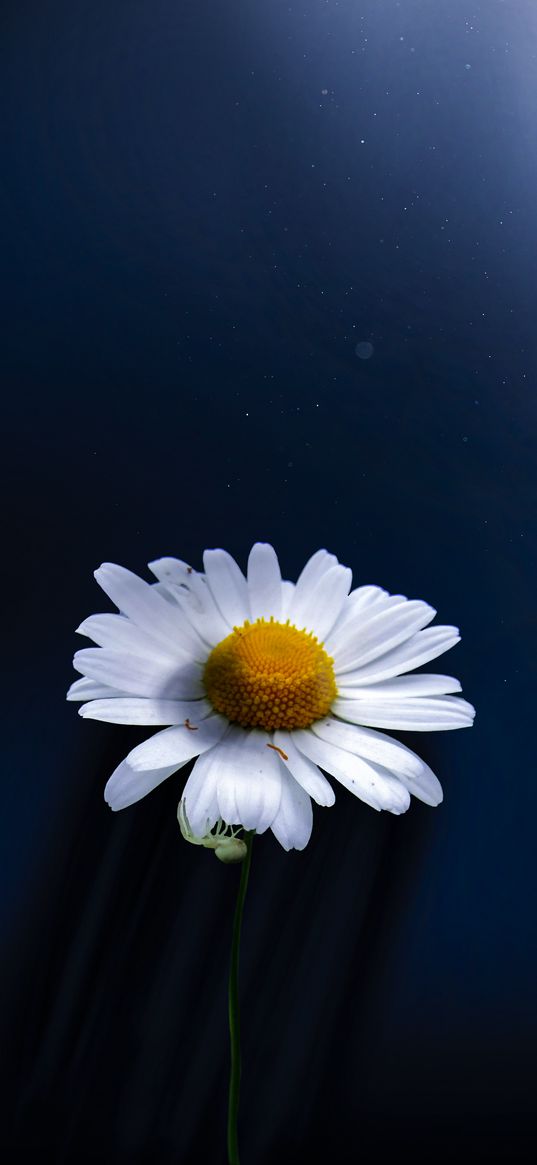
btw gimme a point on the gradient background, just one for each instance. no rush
(204, 208)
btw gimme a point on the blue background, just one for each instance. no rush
(205, 207)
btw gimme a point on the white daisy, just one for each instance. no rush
(267, 683)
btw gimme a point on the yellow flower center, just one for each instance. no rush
(270, 675)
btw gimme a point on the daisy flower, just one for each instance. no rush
(270, 685)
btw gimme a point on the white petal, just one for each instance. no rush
(402, 686)
(356, 774)
(140, 675)
(419, 649)
(170, 570)
(121, 634)
(414, 714)
(288, 590)
(127, 786)
(293, 822)
(200, 608)
(179, 581)
(426, 787)
(142, 603)
(264, 582)
(86, 689)
(366, 597)
(358, 610)
(199, 794)
(166, 591)
(317, 608)
(179, 744)
(372, 746)
(202, 612)
(132, 710)
(379, 633)
(303, 770)
(191, 591)
(249, 781)
(314, 569)
(228, 586)
(387, 755)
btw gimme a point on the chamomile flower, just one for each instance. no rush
(270, 685)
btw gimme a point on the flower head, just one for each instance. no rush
(266, 682)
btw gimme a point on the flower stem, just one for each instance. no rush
(234, 1013)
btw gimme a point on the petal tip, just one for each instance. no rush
(82, 629)
(104, 566)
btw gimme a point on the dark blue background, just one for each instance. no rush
(204, 208)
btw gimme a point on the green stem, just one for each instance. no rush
(234, 1013)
